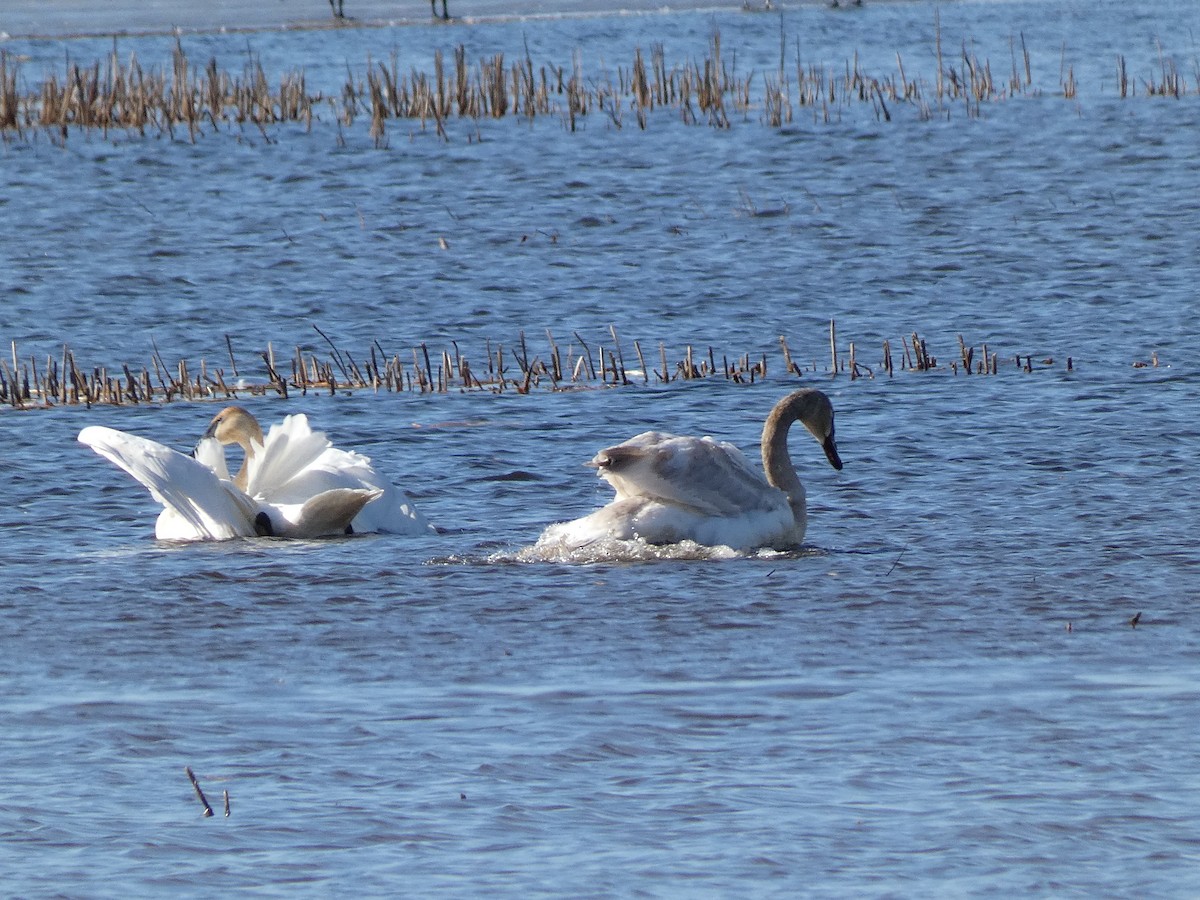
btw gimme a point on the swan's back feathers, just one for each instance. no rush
(330, 469)
(661, 522)
(196, 502)
(711, 477)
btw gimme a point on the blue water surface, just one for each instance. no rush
(941, 694)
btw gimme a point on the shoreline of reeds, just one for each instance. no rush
(39, 381)
(116, 95)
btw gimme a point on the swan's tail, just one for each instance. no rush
(328, 513)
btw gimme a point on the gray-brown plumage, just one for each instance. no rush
(671, 488)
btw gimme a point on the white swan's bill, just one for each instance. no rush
(672, 489)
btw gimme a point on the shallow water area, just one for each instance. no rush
(977, 677)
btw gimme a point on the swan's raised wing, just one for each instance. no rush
(210, 452)
(709, 476)
(288, 450)
(192, 491)
(295, 465)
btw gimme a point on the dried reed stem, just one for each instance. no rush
(208, 811)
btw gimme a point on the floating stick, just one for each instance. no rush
(199, 793)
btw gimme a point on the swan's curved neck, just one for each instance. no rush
(239, 427)
(777, 462)
(243, 473)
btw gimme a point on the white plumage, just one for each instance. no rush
(198, 504)
(294, 463)
(294, 483)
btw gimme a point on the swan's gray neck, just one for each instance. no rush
(777, 462)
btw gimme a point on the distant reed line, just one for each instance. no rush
(59, 379)
(115, 95)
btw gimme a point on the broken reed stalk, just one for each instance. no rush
(233, 363)
(642, 362)
(620, 357)
(787, 356)
(208, 811)
(588, 355)
(555, 359)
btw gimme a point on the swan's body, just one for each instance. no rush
(671, 489)
(198, 504)
(293, 463)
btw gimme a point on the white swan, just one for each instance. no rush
(294, 463)
(671, 489)
(200, 505)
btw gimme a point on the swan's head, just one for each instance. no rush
(234, 425)
(815, 411)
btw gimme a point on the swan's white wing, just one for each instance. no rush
(392, 512)
(289, 448)
(295, 465)
(711, 477)
(210, 452)
(200, 505)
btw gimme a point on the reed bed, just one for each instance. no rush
(57, 379)
(188, 98)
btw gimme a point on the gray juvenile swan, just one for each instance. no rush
(671, 488)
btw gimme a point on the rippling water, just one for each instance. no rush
(941, 694)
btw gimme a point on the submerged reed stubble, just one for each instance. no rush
(42, 380)
(123, 95)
